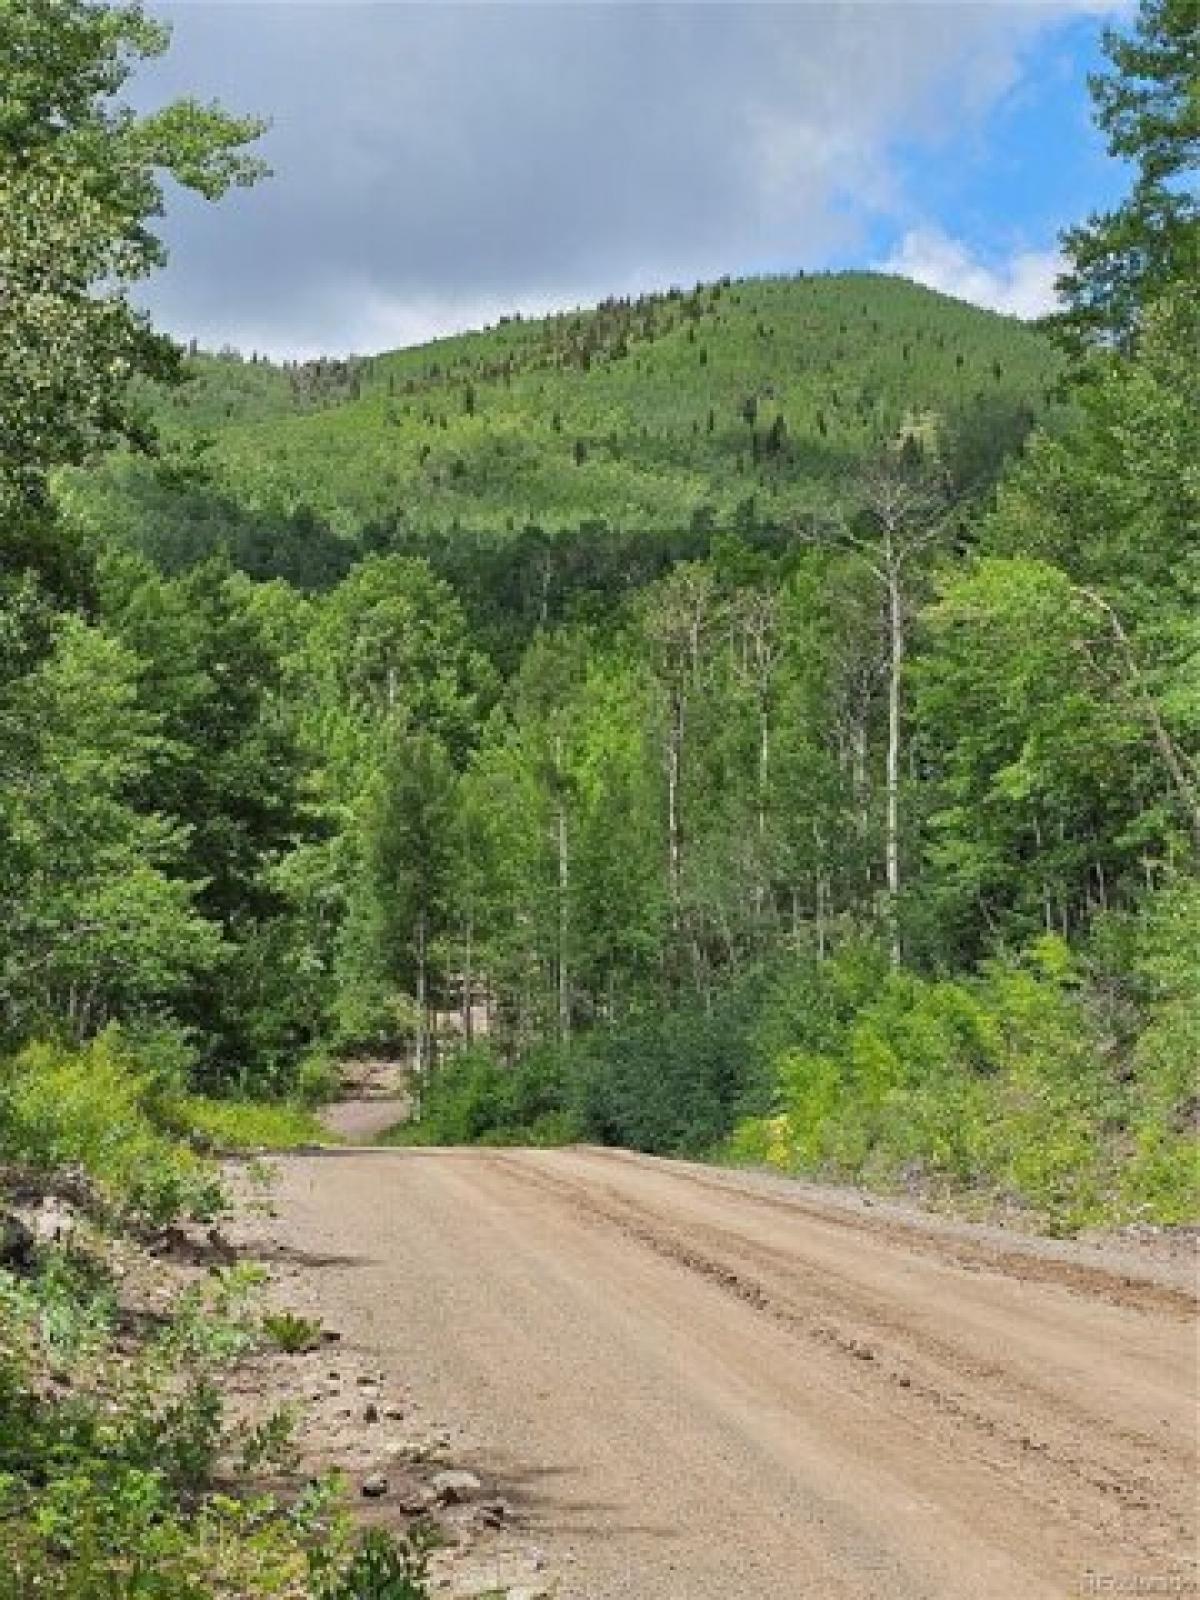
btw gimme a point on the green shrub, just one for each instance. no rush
(476, 1098)
(246, 1124)
(673, 1083)
(553, 1128)
(111, 1487)
(164, 1052)
(97, 1109)
(1013, 1085)
(381, 1567)
(318, 1079)
(1161, 1178)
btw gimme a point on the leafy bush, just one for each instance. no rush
(381, 1568)
(317, 1079)
(246, 1124)
(475, 1097)
(1161, 1177)
(98, 1109)
(109, 1487)
(1017, 1084)
(670, 1083)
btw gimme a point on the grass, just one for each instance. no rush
(237, 1125)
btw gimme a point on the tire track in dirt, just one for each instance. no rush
(929, 1372)
(693, 1390)
(1037, 1262)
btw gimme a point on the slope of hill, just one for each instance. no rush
(736, 403)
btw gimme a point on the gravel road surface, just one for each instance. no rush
(700, 1385)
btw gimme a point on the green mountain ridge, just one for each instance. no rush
(739, 403)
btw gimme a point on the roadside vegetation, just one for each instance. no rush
(1058, 1086)
(123, 1469)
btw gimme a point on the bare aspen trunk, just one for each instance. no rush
(1101, 886)
(674, 816)
(468, 983)
(677, 628)
(420, 1053)
(764, 775)
(754, 640)
(564, 886)
(544, 608)
(858, 778)
(892, 842)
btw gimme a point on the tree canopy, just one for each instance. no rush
(81, 178)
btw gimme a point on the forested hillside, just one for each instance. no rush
(766, 712)
(544, 446)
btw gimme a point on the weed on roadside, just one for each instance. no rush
(291, 1333)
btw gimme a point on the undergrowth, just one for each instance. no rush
(247, 1124)
(101, 1110)
(1060, 1084)
(122, 1474)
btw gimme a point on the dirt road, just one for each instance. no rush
(700, 1385)
(374, 1098)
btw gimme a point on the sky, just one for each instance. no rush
(438, 165)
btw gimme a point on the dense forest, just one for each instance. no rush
(535, 452)
(758, 717)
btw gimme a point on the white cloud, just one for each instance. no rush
(436, 164)
(1022, 286)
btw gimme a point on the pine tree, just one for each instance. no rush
(1148, 107)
